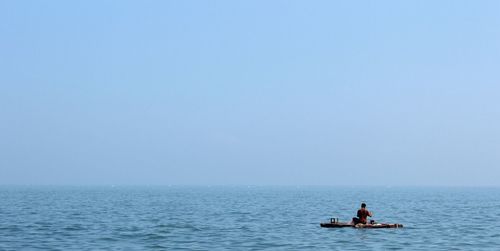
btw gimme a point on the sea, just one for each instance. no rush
(246, 218)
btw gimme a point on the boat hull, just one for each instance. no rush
(376, 225)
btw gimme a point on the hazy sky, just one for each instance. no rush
(250, 92)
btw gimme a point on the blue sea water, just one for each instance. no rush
(245, 218)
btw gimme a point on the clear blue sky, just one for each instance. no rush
(250, 92)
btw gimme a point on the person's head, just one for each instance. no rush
(363, 205)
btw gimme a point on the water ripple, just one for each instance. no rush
(241, 218)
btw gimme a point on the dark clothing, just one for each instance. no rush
(363, 214)
(355, 220)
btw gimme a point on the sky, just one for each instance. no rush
(384, 93)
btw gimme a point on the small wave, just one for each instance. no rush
(76, 227)
(154, 236)
(174, 226)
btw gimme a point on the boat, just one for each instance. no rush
(334, 223)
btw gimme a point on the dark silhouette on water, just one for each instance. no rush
(362, 215)
(360, 221)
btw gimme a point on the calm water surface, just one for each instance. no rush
(245, 218)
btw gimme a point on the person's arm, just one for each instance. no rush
(370, 213)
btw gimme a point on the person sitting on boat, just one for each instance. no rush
(362, 214)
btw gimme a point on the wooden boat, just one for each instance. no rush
(334, 223)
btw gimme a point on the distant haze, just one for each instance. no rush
(250, 92)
